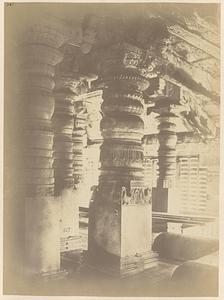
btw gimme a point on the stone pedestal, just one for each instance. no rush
(120, 233)
(120, 213)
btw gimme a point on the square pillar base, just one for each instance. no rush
(121, 266)
(120, 235)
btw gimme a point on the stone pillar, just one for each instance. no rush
(165, 196)
(120, 213)
(40, 55)
(79, 139)
(63, 120)
(86, 134)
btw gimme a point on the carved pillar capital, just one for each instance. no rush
(126, 59)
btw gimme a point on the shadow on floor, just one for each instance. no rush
(82, 281)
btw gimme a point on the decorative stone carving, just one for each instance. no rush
(135, 196)
(121, 182)
(191, 74)
(195, 40)
(194, 56)
(122, 126)
(168, 111)
(79, 137)
(185, 50)
(195, 116)
(127, 64)
(93, 104)
(63, 121)
(160, 47)
(194, 22)
(86, 127)
(117, 155)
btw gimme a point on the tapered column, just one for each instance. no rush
(165, 196)
(120, 214)
(40, 55)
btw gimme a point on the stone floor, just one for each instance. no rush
(154, 282)
(92, 283)
(82, 281)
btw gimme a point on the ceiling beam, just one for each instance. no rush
(195, 40)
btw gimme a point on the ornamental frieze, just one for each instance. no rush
(135, 196)
(130, 156)
(114, 192)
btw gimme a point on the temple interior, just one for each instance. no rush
(111, 149)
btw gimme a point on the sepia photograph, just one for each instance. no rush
(111, 152)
